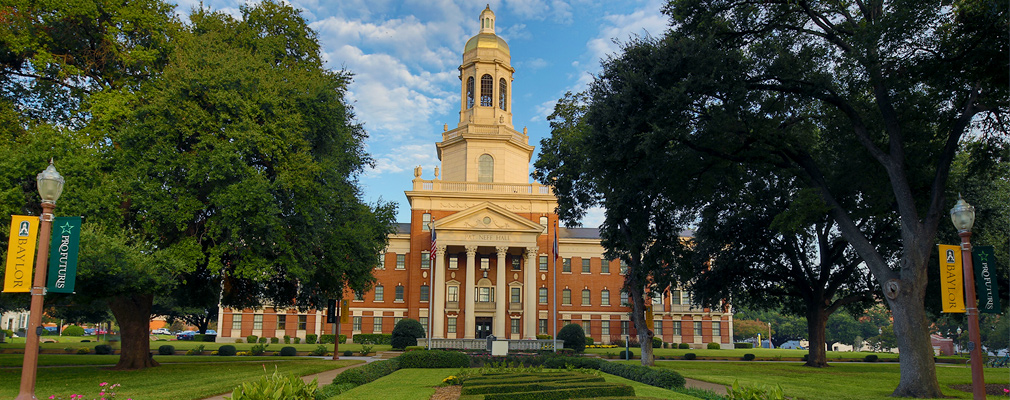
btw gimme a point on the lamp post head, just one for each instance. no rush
(50, 184)
(962, 215)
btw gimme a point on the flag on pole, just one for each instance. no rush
(434, 245)
(555, 240)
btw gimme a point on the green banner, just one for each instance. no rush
(984, 260)
(63, 254)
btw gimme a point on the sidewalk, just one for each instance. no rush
(696, 384)
(323, 378)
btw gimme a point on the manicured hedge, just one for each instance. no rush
(629, 354)
(683, 346)
(103, 349)
(288, 351)
(870, 358)
(328, 339)
(226, 350)
(714, 346)
(663, 378)
(743, 345)
(374, 338)
(577, 362)
(573, 393)
(166, 350)
(73, 330)
(434, 359)
(748, 357)
(657, 343)
(368, 373)
(535, 386)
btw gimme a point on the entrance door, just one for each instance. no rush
(483, 326)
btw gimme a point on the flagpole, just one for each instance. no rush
(431, 279)
(555, 302)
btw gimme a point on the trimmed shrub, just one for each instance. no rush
(274, 340)
(320, 350)
(199, 337)
(743, 345)
(630, 354)
(328, 339)
(238, 341)
(683, 346)
(545, 337)
(405, 333)
(288, 351)
(664, 378)
(574, 337)
(589, 341)
(690, 356)
(714, 346)
(870, 358)
(330, 391)
(434, 359)
(287, 339)
(226, 350)
(412, 348)
(73, 330)
(83, 350)
(103, 349)
(373, 338)
(748, 357)
(262, 340)
(369, 372)
(311, 338)
(258, 349)
(559, 362)
(657, 343)
(251, 338)
(297, 339)
(348, 353)
(166, 350)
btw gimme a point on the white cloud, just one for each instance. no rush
(544, 110)
(531, 65)
(647, 20)
(594, 217)
(405, 158)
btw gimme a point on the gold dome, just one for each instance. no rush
(487, 41)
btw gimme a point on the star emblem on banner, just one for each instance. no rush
(67, 228)
(983, 257)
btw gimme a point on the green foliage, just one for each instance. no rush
(412, 348)
(373, 338)
(328, 339)
(573, 337)
(690, 356)
(544, 337)
(348, 353)
(252, 339)
(714, 346)
(365, 349)
(226, 350)
(83, 350)
(262, 340)
(657, 342)
(367, 373)
(738, 392)
(258, 349)
(197, 351)
(288, 351)
(310, 338)
(73, 330)
(627, 354)
(405, 333)
(274, 340)
(329, 391)
(434, 359)
(276, 386)
(103, 349)
(299, 340)
(167, 350)
(743, 345)
(589, 340)
(683, 346)
(287, 339)
(320, 350)
(750, 357)
(870, 358)
(658, 377)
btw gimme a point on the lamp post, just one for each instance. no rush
(50, 185)
(963, 217)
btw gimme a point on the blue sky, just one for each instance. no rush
(405, 54)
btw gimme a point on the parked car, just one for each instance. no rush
(211, 332)
(161, 331)
(187, 335)
(89, 331)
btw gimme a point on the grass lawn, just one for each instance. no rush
(842, 381)
(15, 360)
(175, 381)
(737, 354)
(183, 345)
(404, 384)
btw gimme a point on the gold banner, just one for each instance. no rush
(21, 253)
(951, 279)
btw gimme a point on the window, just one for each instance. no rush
(485, 263)
(425, 259)
(486, 86)
(585, 297)
(377, 324)
(657, 327)
(399, 293)
(382, 261)
(566, 297)
(543, 221)
(425, 292)
(303, 320)
(566, 265)
(236, 322)
(716, 330)
(543, 326)
(451, 325)
(425, 221)
(675, 297)
(424, 323)
(452, 294)
(604, 297)
(543, 295)
(379, 293)
(356, 324)
(282, 321)
(697, 328)
(657, 298)
(258, 321)
(605, 328)
(453, 262)
(484, 294)
(516, 263)
(503, 90)
(396, 320)
(359, 296)
(469, 92)
(624, 299)
(605, 267)
(401, 261)
(676, 328)
(624, 267)
(624, 327)
(516, 294)
(585, 265)
(543, 263)
(516, 329)
(685, 297)
(485, 168)
(585, 328)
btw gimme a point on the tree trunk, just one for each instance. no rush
(817, 318)
(133, 314)
(911, 329)
(638, 318)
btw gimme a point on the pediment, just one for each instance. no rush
(487, 217)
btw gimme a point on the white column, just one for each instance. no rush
(437, 316)
(530, 303)
(501, 322)
(468, 293)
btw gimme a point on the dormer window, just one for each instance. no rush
(503, 90)
(486, 86)
(469, 92)
(485, 168)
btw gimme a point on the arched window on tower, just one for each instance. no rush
(469, 92)
(486, 85)
(503, 90)
(485, 168)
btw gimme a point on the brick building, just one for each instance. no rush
(494, 270)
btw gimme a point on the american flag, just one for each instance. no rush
(433, 245)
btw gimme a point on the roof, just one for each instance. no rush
(402, 228)
(487, 40)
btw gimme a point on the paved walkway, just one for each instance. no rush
(696, 384)
(323, 378)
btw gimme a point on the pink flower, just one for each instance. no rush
(103, 383)
(52, 397)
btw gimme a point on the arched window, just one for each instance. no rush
(485, 168)
(486, 86)
(469, 92)
(503, 93)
